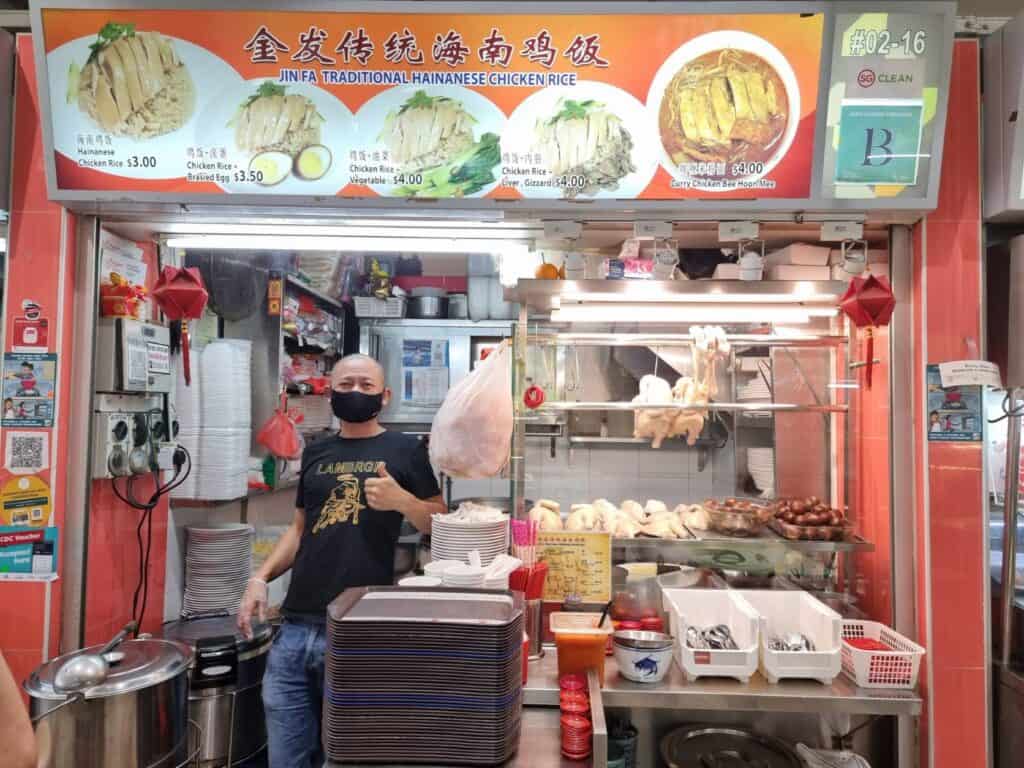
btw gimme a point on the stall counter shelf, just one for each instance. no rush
(674, 692)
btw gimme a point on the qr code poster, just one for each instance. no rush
(26, 453)
(29, 386)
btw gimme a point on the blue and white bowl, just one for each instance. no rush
(642, 665)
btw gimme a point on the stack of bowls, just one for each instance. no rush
(463, 575)
(643, 657)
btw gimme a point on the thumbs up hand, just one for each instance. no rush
(384, 493)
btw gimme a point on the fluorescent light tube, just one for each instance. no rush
(702, 313)
(380, 244)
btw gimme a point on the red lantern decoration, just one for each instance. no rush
(181, 295)
(869, 303)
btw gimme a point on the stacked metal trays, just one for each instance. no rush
(421, 675)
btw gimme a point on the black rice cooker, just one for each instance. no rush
(225, 687)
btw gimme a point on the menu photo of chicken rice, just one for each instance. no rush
(588, 140)
(126, 99)
(432, 143)
(727, 106)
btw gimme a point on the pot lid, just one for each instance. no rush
(192, 631)
(146, 663)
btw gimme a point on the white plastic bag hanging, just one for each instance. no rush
(471, 436)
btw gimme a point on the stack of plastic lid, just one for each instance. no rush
(226, 417)
(187, 412)
(577, 731)
(423, 676)
(218, 564)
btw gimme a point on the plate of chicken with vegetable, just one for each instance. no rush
(431, 142)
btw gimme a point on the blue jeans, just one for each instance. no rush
(293, 693)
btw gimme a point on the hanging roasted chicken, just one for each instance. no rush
(709, 347)
(726, 106)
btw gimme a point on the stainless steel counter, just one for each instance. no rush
(709, 695)
(539, 745)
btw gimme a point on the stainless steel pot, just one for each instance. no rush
(137, 717)
(427, 307)
(225, 688)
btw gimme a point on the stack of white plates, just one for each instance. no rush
(218, 563)
(463, 575)
(761, 466)
(453, 540)
(227, 390)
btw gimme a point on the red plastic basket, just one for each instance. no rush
(897, 668)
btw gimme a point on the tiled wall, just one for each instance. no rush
(580, 474)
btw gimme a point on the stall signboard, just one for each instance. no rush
(886, 96)
(459, 105)
(579, 564)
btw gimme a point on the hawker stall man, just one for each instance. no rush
(353, 492)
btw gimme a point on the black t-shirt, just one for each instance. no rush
(345, 543)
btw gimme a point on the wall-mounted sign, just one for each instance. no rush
(504, 106)
(29, 389)
(888, 78)
(579, 564)
(879, 141)
(954, 413)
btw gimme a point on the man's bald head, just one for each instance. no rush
(360, 373)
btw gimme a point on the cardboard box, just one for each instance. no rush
(875, 256)
(25, 550)
(727, 271)
(878, 270)
(803, 254)
(798, 272)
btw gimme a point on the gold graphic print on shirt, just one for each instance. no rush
(343, 505)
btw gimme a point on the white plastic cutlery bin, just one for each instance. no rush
(785, 612)
(704, 608)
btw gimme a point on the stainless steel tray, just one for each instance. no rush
(427, 605)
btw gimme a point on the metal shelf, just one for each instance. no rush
(568, 406)
(703, 540)
(715, 694)
(679, 340)
(333, 303)
(545, 295)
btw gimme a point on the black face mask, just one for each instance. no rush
(356, 407)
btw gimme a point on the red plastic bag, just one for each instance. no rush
(279, 435)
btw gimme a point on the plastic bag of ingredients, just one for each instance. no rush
(279, 435)
(472, 431)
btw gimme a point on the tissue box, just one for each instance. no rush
(803, 254)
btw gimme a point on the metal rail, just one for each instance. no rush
(569, 406)
(679, 340)
(1010, 503)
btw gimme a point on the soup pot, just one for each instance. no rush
(131, 712)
